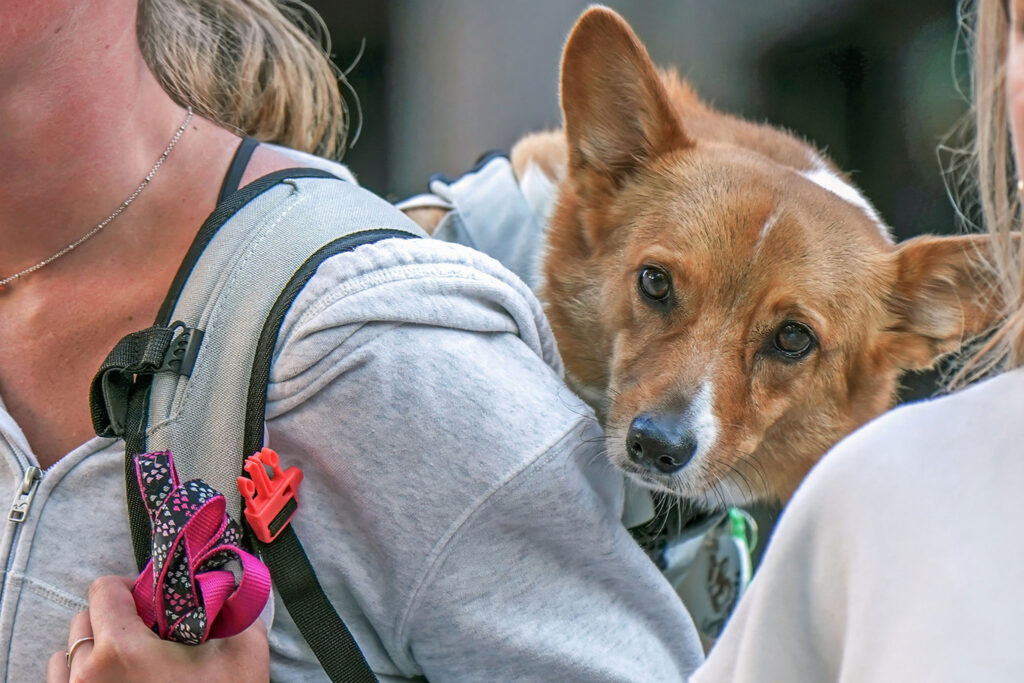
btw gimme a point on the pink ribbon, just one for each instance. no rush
(187, 592)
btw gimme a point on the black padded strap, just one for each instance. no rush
(236, 169)
(292, 574)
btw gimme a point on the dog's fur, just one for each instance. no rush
(756, 230)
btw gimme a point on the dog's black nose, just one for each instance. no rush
(662, 443)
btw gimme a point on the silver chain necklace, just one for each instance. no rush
(117, 212)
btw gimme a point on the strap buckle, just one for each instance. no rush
(182, 350)
(130, 366)
(270, 503)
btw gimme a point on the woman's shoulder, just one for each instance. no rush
(431, 329)
(956, 445)
(908, 516)
(421, 282)
(986, 413)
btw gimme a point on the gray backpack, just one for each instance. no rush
(195, 382)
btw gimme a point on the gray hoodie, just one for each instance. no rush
(456, 505)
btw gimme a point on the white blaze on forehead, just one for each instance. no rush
(824, 177)
(767, 227)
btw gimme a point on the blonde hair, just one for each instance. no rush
(985, 26)
(256, 67)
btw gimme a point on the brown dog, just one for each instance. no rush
(724, 297)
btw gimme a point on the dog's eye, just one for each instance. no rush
(654, 283)
(793, 340)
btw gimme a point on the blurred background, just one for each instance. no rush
(871, 82)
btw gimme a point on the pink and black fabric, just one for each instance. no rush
(199, 582)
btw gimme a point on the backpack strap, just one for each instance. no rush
(295, 579)
(239, 162)
(236, 276)
(203, 397)
(293, 575)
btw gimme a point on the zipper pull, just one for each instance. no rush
(23, 498)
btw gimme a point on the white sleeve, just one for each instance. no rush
(789, 626)
(894, 561)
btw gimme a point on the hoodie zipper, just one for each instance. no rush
(20, 506)
(24, 495)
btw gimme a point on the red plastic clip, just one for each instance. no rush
(270, 503)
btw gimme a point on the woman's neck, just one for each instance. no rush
(78, 133)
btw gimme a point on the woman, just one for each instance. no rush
(897, 559)
(465, 524)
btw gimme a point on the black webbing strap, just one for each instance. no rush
(118, 400)
(236, 170)
(134, 444)
(139, 353)
(313, 614)
(292, 574)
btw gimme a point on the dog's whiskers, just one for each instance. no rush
(749, 461)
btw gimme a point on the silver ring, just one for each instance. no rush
(71, 650)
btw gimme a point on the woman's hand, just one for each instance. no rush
(123, 649)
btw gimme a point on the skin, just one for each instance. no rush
(71, 103)
(82, 121)
(122, 641)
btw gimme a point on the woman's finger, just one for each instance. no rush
(112, 610)
(246, 641)
(79, 641)
(80, 627)
(57, 670)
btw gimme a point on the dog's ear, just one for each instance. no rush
(943, 296)
(617, 113)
